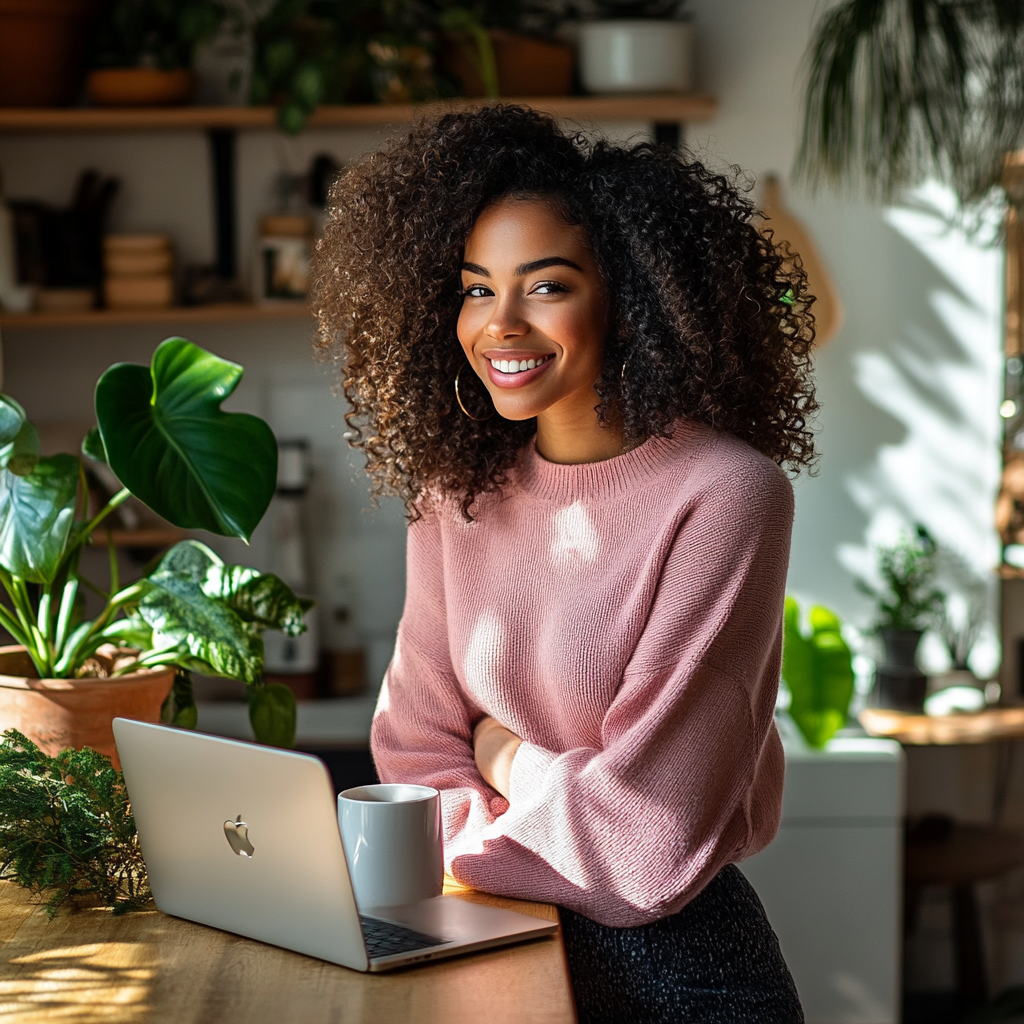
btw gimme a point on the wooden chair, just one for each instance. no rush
(942, 852)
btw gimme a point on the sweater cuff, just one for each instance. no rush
(529, 766)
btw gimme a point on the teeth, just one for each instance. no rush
(517, 365)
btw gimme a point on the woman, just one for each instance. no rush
(582, 368)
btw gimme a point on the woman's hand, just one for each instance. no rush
(494, 746)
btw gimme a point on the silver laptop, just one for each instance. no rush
(294, 890)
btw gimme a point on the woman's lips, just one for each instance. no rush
(515, 380)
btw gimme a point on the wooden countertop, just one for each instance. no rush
(87, 966)
(987, 726)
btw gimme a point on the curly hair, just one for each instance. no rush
(709, 320)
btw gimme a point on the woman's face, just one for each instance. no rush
(534, 312)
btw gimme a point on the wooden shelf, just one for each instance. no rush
(662, 108)
(219, 313)
(985, 726)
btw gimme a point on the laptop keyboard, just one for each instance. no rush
(386, 939)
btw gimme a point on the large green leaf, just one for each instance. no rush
(817, 670)
(258, 597)
(12, 416)
(180, 613)
(36, 515)
(272, 714)
(172, 446)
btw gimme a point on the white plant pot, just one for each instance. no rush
(630, 56)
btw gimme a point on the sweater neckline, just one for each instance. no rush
(554, 481)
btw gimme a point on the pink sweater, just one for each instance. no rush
(625, 619)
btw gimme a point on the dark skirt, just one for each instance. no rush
(715, 962)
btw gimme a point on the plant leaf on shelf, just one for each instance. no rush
(36, 515)
(170, 443)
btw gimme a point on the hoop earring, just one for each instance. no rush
(458, 398)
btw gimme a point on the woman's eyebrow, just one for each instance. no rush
(548, 261)
(527, 268)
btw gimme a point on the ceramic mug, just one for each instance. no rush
(392, 839)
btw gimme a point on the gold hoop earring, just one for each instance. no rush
(458, 398)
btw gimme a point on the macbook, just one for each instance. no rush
(245, 838)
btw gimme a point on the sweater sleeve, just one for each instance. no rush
(688, 777)
(422, 731)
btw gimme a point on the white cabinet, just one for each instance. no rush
(831, 882)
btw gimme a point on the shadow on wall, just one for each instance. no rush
(909, 429)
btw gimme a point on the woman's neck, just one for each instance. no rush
(577, 437)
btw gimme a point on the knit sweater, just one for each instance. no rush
(624, 618)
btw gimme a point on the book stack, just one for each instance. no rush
(138, 271)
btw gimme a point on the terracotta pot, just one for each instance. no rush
(140, 87)
(59, 713)
(526, 66)
(42, 50)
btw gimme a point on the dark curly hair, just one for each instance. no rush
(709, 320)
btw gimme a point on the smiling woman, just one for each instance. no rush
(582, 368)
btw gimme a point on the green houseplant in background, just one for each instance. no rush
(163, 434)
(817, 671)
(907, 603)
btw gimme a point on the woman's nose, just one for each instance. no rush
(506, 321)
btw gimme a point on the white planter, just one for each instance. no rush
(631, 56)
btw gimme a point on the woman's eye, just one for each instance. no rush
(549, 288)
(476, 291)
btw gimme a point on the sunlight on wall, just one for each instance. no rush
(935, 373)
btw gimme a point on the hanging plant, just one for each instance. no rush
(900, 90)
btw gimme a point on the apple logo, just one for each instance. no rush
(237, 833)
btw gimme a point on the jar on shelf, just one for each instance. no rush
(282, 264)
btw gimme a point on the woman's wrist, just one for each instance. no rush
(494, 748)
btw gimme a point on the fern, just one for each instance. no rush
(66, 827)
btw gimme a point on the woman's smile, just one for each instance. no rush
(515, 369)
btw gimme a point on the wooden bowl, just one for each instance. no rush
(140, 87)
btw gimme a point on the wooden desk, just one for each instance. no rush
(86, 966)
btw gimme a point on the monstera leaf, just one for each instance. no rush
(817, 670)
(37, 511)
(168, 441)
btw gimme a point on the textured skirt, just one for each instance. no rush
(715, 962)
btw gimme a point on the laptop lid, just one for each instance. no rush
(292, 890)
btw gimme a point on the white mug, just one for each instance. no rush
(392, 839)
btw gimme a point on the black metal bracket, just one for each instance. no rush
(668, 133)
(225, 219)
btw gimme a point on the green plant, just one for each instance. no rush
(163, 434)
(902, 89)
(906, 597)
(157, 33)
(308, 52)
(66, 827)
(818, 673)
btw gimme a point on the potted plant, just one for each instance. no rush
(907, 604)
(163, 434)
(817, 670)
(142, 51)
(42, 50)
(637, 46)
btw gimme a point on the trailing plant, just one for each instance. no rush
(66, 828)
(153, 33)
(163, 434)
(906, 596)
(817, 670)
(899, 90)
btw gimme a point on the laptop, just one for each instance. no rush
(278, 874)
